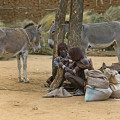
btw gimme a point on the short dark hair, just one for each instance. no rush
(61, 45)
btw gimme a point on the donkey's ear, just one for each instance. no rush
(39, 26)
(53, 22)
(2, 33)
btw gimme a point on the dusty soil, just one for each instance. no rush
(20, 101)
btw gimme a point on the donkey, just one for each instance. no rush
(17, 41)
(97, 35)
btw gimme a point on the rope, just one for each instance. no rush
(26, 35)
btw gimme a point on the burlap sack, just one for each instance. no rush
(58, 92)
(113, 75)
(96, 79)
(96, 94)
(115, 90)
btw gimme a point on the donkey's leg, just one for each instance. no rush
(19, 67)
(24, 57)
(118, 54)
(117, 49)
(84, 45)
(84, 51)
(1, 51)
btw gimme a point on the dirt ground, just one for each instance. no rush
(20, 101)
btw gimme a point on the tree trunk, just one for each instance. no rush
(59, 26)
(75, 26)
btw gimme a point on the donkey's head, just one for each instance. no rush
(52, 33)
(34, 35)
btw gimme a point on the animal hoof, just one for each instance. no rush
(20, 81)
(27, 81)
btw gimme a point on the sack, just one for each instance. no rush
(96, 79)
(95, 94)
(115, 90)
(115, 79)
(58, 92)
(113, 75)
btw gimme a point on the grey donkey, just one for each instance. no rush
(17, 41)
(97, 35)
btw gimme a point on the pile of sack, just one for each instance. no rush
(101, 86)
(114, 79)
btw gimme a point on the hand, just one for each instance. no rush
(70, 61)
(60, 64)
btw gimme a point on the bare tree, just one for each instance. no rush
(60, 24)
(75, 26)
(59, 36)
